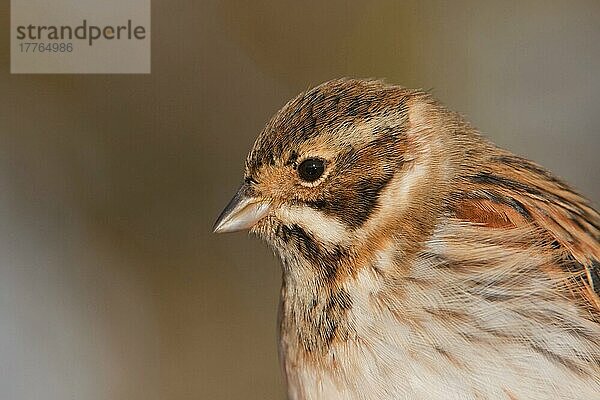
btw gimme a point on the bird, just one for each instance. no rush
(419, 260)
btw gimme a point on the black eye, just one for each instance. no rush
(311, 169)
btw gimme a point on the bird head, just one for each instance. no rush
(343, 168)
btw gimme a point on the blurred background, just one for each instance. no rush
(111, 283)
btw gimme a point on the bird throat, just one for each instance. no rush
(314, 308)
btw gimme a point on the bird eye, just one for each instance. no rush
(311, 169)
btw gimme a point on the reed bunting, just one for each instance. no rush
(420, 261)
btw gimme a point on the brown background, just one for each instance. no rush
(111, 284)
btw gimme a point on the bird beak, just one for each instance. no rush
(242, 212)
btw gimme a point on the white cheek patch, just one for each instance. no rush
(324, 228)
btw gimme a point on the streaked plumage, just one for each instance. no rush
(425, 262)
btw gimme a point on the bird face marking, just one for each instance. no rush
(329, 154)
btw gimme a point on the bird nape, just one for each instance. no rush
(420, 261)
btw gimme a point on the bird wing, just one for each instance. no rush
(511, 192)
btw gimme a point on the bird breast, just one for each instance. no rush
(432, 332)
